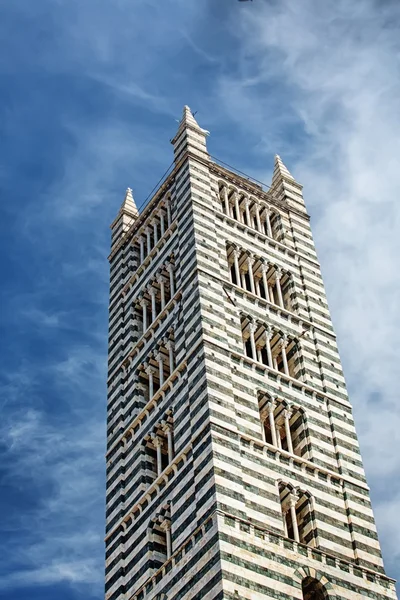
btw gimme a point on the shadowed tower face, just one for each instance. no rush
(233, 468)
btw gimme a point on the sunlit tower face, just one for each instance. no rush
(233, 468)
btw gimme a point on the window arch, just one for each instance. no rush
(309, 575)
(313, 589)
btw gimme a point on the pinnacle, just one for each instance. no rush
(187, 117)
(188, 120)
(190, 137)
(280, 170)
(129, 204)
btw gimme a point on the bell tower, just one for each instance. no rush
(233, 466)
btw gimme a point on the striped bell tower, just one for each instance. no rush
(233, 466)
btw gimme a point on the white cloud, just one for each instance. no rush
(327, 69)
(53, 456)
(340, 63)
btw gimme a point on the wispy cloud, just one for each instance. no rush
(340, 63)
(317, 82)
(56, 454)
(81, 140)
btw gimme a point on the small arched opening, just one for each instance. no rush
(313, 589)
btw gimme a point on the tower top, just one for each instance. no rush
(190, 137)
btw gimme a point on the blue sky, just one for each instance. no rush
(91, 91)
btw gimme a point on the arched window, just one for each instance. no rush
(270, 347)
(297, 514)
(154, 298)
(283, 425)
(284, 353)
(313, 589)
(160, 363)
(159, 449)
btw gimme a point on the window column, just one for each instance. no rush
(268, 222)
(271, 408)
(170, 347)
(257, 285)
(259, 355)
(160, 360)
(293, 499)
(268, 337)
(166, 526)
(141, 242)
(169, 219)
(152, 293)
(258, 220)
(284, 513)
(162, 221)
(157, 443)
(155, 232)
(253, 329)
(271, 295)
(170, 269)
(148, 237)
(236, 201)
(161, 282)
(278, 435)
(150, 373)
(168, 430)
(226, 200)
(247, 209)
(283, 344)
(144, 304)
(278, 275)
(264, 271)
(287, 415)
(250, 262)
(236, 255)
